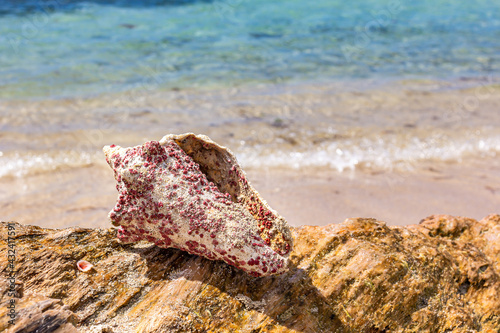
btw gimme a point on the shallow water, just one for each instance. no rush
(368, 126)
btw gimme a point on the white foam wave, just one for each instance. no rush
(17, 165)
(373, 154)
(370, 154)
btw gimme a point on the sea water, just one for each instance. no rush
(62, 48)
(284, 83)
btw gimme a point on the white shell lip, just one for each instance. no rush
(84, 265)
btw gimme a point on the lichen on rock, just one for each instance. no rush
(189, 193)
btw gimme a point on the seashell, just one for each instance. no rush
(188, 192)
(84, 265)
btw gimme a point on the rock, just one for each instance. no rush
(358, 276)
(37, 313)
(191, 194)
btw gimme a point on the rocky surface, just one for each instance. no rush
(358, 276)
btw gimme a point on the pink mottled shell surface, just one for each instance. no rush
(189, 193)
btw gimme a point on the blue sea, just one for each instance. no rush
(62, 48)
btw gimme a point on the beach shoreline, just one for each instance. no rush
(318, 154)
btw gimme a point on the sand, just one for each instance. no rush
(397, 198)
(84, 196)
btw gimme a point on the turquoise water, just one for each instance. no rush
(62, 48)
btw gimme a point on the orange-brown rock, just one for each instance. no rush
(358, 276)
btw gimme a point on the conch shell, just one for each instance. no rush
(188, 192)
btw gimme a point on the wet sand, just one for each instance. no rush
(397, 198)
(84, 196)
(407, 149)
